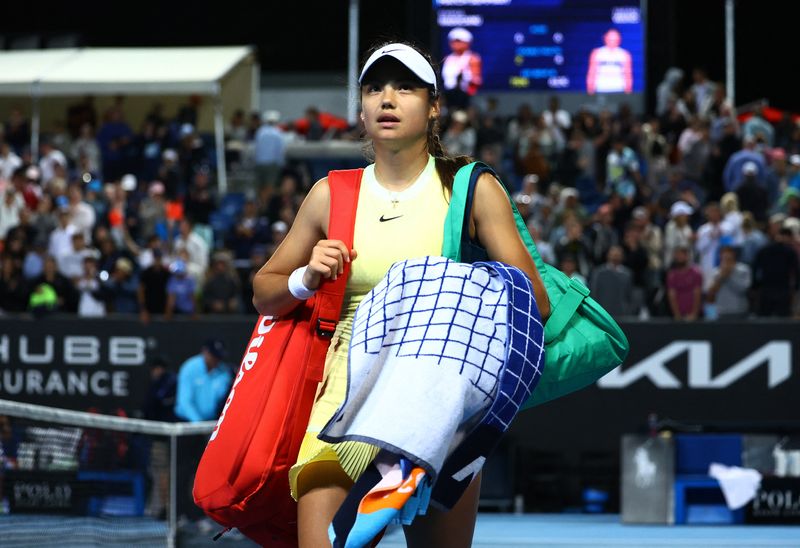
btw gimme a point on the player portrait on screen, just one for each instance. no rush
(610, 67)
(461, 69)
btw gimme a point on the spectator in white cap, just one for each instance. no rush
(569, 203)
(462, 73)
(152, 210)
(734, 169)
(678, 232)
(460, 136)
(170, 174)
(270, 150)
(680, 208)
(751, 193)
(271, 116)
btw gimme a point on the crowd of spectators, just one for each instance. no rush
(111, 220)
(689, 212)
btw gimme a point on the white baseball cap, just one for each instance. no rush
(186, 129)
(461, 34)
(460, 116)
(128, 182)
(411, 59)
(680, 208)
(272, 116)
(568, 192)
(750, 168)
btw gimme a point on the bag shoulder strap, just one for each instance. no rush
(459, 211)
(344, 189)
(456, 214)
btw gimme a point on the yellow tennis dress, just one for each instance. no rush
(389, 227)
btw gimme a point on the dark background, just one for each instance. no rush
(303, 36)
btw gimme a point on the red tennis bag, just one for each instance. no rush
(242, 480)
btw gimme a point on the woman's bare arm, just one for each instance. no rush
(497, 232)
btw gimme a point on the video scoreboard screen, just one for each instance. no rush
(590, 46)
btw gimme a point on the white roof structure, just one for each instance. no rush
(127, 71)
(132, 71)
(143, 71)
(20, 70)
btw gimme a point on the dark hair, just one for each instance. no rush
(446, 165)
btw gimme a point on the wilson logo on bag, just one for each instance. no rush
(242, 480)
(264, 326)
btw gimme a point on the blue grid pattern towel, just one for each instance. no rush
(439, 350)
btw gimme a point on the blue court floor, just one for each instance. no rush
(493, 530)
(568, 530)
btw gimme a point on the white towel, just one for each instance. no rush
(429, 347)
(739, 485)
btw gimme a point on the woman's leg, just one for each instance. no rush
(321, 488)
(451, 529)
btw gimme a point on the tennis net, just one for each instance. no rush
(73, 478)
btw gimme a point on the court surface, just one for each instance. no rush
(492, 530)
(567, 530)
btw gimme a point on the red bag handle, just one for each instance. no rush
(344, 188)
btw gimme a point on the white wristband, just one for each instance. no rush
(296, 286)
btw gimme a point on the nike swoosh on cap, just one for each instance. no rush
(389, 219)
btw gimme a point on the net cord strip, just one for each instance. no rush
(83, 419)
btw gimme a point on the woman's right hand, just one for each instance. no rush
(327, 262)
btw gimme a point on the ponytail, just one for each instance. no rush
(446, 165)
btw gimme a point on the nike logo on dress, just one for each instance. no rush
(388, 218)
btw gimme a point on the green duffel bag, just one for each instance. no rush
(582, 340)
